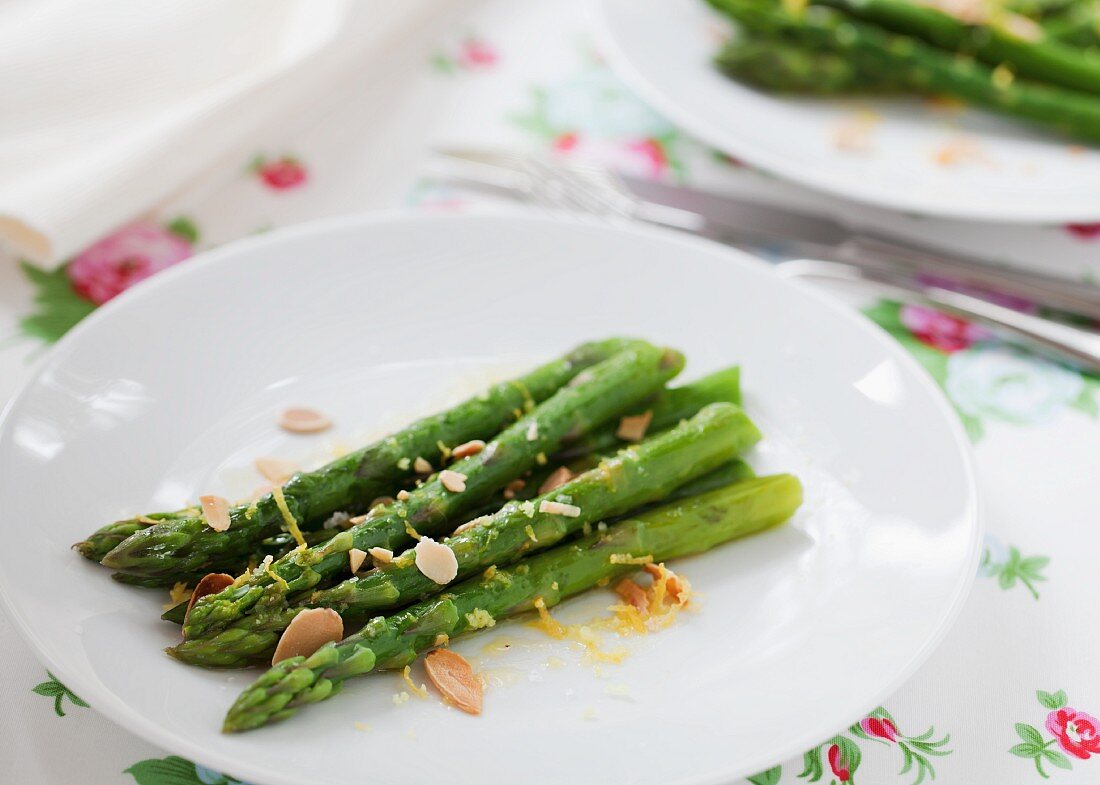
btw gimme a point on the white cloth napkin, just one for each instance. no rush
(110, 107)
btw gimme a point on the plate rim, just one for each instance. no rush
(105, 703)
(608, 43)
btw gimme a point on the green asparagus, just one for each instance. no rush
(105, 539)
(669, 532)
(596, 396)
(922, 67)
(348, 484)
(778, 65)
(636, 476)
(1001, 37)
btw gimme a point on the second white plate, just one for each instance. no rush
(953, 163)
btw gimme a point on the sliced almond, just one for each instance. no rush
(467, 449)
(277, 470)
(632, 593)
(421, 466)
(471, 524)
(301, 420)
(210, 584)
(307, 632)
(215, 510)
(380, 501)
(560, 477)
(559, 508)
(260, 491)
(356, 558)
(452, 675)
(512, 488)
(455, 482)
(632, 429)
(436, 561)
(381, 555)
(402, 495)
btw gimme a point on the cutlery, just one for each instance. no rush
(816, 248)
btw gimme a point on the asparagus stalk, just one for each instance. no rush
(777, 65)
(602, 392)
(636, 476)
(920, 66)
(105, 539)
(349, 484)
(668, 532)
(1079, 25)
(1000, 37)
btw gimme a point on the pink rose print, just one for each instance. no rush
(475, 53)
(117, 262)
(879, 728)
(1085, 231)
(1078, 733)
(638, 157)
(939, 330)
(839, 763)
(281, 174)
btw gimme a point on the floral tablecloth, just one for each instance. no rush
(1006, 698)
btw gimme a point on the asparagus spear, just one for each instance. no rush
(602, 392)
(1078, 26)
(185, 546)
(668, 532)
(105, 539)
(778, 65)
(636, 476)
(920, 66)
(999, 36)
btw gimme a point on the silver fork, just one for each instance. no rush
(594, 191)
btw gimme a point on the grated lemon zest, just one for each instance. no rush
(251, 510)
(626, 558)
(479, 619)
(409, 530)
(178, 594)
(531, 533)
(421, 691)
(288, 519)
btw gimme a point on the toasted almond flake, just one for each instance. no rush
(277, 470)
(358, 519)
(421, 466)
(436, 561)
(512, 488)
(307, 632)
(455, 679)
(381, 555)
(467, 449)
(380, 501)
(402, 495)
(302, 420)
(455, 482)
(633, 428)
(557, 508)
(209, 584)
(533, 431)
(215, 511)
(558, 478)
(472, 524)
(356, 558)
(632, 593)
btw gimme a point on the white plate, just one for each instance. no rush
(663, 49)
(170, 392)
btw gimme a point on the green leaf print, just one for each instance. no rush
(59, 306)
(184, 227)
(1086, 402)
(59, 692)
(812, 768)
(1052, 700)
(172, 770)
(769, 777)
(1015, 569)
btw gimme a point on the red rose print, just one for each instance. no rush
(651, 151)
(282, 174)
(879, 728)
(1076, 731)
(1089, 231)
(476, 54)
(939, 330)
(118, 261)
(839, 764)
